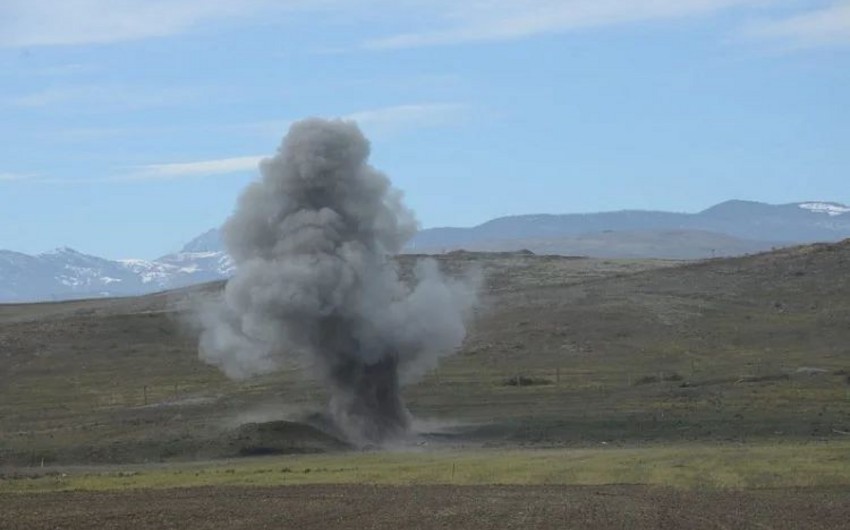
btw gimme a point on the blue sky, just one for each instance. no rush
(127, 127)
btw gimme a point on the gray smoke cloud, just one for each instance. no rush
(316, 282)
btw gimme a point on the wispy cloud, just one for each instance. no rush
(58, 70)
(387, 120)
(58, 22)
(168, 171)
(827, 25)
(50, 96)
(105, 97)
(382, 121)
(492, 20)
(86, 134)
(8, 177)
(200, 168)
(400, 118)
(26, 23)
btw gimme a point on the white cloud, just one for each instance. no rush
(202, 168)
(381, 121)
(169, 171)
(8, 177)
(62, 22)
(106, 97)
(68, 69)
(399, 118)
(85, 134)
(57, 22)
(491, 20)
(434, 22)
(824, 26)
(50, 96)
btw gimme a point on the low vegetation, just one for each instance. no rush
(724, 466)
(636, 355)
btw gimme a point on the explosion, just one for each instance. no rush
(316, 283)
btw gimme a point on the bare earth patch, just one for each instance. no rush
(423, 507)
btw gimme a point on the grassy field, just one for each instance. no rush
(589, 394)
(697, 466)
(629, 353)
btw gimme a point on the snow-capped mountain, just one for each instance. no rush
(829, 208)
(60, 274)
(729, 228)
(64, 274)
(180, 269)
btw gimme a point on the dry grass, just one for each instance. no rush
(754, 466)
(73, 376)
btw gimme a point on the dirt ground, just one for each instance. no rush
(420, 507)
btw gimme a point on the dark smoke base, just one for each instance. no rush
(365, 400)
(368, 398)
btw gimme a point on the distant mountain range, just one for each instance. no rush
(745, 221)
(727, 229)
(65, 274)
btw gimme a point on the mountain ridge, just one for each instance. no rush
(729, 228)
(67, 274)
(789, 223)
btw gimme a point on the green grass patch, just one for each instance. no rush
(681, 466)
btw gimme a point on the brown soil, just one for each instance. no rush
(414, 507)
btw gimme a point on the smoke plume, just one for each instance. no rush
(316, 282)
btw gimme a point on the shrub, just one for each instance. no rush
(523, 380)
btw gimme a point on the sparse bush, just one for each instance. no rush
(650, 379)
(764, 378)
(523, 380)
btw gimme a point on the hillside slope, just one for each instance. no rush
(563, 351)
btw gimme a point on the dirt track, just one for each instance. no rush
(420, 507)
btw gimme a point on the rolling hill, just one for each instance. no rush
(563, 351)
